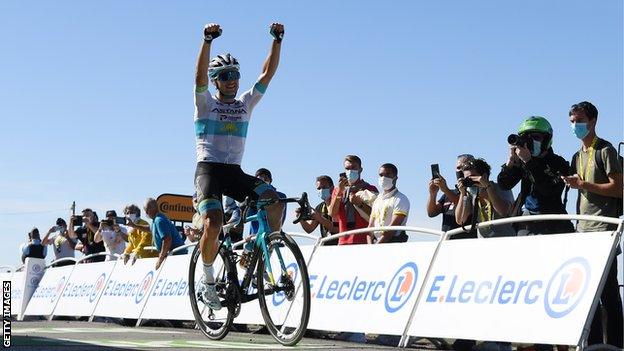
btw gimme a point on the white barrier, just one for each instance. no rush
(81, 293)
(48, 292)
(361, 285)
(539, 289)
(125, 293)
(536, 289)
(27, 281)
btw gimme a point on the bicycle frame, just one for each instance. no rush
(260, 245)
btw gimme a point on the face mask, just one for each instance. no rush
(352, 175)
(60, 229)
(133, 217)
(385, 183)
(473, 190)
(228, 202)
(580, 130)
(324, 194)
(537, 148)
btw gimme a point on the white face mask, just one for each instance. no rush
(352, 175)
(133, 217)
(385, 183)
(537, 148)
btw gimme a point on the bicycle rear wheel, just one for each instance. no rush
(214, 324)
(285, 304)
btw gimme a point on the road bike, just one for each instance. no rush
(275, 273)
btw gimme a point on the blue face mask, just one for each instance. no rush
(580, 129)
(324, 194)
(352, 175)
(537, 148)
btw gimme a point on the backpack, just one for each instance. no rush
(599, 164)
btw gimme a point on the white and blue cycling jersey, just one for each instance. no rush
(221, 128)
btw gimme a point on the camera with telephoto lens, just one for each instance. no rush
(467, 182)
(517, 140)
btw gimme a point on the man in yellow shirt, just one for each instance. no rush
(139, 236)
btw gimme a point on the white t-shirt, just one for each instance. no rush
(388, 204)
(113, 242)
(221, 128)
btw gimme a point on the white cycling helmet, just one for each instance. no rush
(221, 63)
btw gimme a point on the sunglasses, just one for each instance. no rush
(228, 76)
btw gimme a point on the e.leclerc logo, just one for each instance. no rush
(58, 289)
(395, 291)
(401, 287)
(567, 287)
(561, 295)
(144, 287)
(99, 285)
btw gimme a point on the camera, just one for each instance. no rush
(517, 140)
(120, 220)
(77, 221)
(467, 182)
(108, 222)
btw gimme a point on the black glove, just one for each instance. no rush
(209, 36)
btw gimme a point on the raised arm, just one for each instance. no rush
(211, 31)
(272, 61)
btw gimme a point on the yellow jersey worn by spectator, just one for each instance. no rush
(137, 241)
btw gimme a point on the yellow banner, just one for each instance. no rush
(176, 207)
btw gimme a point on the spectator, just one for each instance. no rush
(64, 246)
(597, 174)
(390, 208)
(320, 215)
(86, 234)
(448, 201)
(113, 235)
(351, 202)
(33, 248)
(233, 224)
(139, 236)
(481, 197)
(166, 236)
(264, 175)
(533, 163)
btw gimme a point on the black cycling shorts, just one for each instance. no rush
(213, 180)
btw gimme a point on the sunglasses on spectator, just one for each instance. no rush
(228, 76)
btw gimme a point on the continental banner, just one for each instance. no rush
(176, 207)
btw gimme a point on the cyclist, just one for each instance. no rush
(221, 123)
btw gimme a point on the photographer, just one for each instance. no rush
(113, 235)
(320, 215)
(533, 163)
(476, 190)
(63, 245)
(85, 234)
(448, 201)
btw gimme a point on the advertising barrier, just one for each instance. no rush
(361, 285)
(169, 296)
(17, 291)
(81, 293)
(47, 294)
(30, 276)
(126, 291)
(536, 289)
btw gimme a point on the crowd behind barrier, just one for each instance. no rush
(384, 290)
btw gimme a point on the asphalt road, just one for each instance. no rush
(75, 335)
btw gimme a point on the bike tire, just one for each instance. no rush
(282, 242)
(214, 330)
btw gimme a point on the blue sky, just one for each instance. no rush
(96, 98)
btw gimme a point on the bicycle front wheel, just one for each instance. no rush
(214, 324)
(285, 299)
